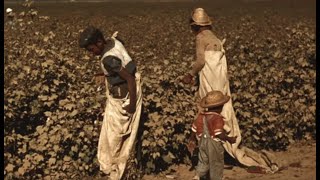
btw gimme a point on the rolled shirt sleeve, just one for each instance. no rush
(112, 64)
(197, 125)
(194, 128)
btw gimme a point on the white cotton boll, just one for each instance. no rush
(8, 10)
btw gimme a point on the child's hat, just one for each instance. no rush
(214, 99)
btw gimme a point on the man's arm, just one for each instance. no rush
(200, 61)
(192, 142)
(192, 139)
(113, 65)
(131, 80)
(221, 133)
(224, 137)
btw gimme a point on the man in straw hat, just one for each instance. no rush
(211, 66)
(200, 24)
(208, 128)
(124, 101)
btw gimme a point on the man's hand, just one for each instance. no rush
(130, 108)
(187, 79)
(191, 146)
(232, 140)
(99, 79)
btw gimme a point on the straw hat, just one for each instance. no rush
(214, 99)
(200, 17)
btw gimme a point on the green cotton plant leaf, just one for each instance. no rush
(237, 83)
(56, 148)
(312, 109)
(156, 155)
(82, 101)
(81, 134)
(256, 137)
(161, 142)
(74, 148)
(56, 82)
(47, 113)
(49, 104)
(38, 158)
(73, 113)
(167, 159)
(171, 155)
(52, 161)
(53, 97)
(69, 106)
(63, 102)
(150, 165)
(246, 114)
(21, 171)
(40, 129)
(81, 155)
(62, 114)
(9, 168)
(145, 143)
(23, 149)
(155, 116)
(26, 164)
(257, 120)
(27, 69)
(66, 158)
(43, 98)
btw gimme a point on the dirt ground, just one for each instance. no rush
(299, 164)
